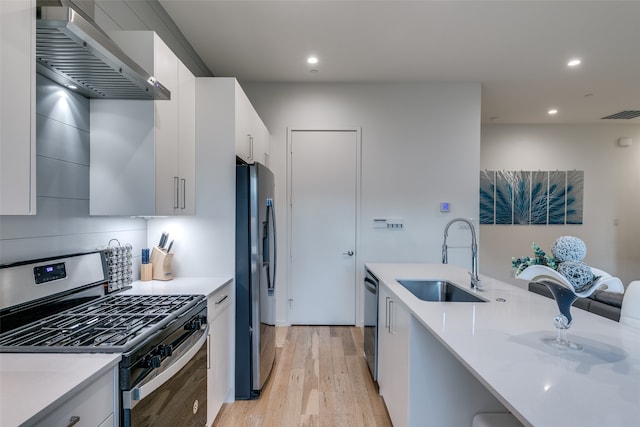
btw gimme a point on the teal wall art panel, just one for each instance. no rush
(575, 196)
(539, 197)
(504, 197)
(557, 197)
(487, 197)
(531, 197)
(521, 197)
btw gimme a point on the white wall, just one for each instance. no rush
(62, 224)
(611, 193)
(420, 146)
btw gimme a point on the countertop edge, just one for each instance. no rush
(39, 410)
(206, 286)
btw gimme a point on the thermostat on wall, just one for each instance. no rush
(444, 206)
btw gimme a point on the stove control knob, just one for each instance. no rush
(194, 324)
(165, 350)
(153, 361)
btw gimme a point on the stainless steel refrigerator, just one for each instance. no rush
(255, 279)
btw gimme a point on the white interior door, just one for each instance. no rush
(323, 201)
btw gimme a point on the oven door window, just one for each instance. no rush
(176, 393)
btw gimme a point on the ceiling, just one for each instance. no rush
(517, 50)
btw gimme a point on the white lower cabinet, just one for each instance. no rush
(394, 321)
(220, 345)
(419, 378)
(93, 405)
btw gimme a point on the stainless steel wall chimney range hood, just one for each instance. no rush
(72, 50)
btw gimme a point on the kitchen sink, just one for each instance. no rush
(439, 290)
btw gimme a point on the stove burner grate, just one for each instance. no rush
(111, 323)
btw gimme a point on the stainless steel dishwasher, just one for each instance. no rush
(371, 323)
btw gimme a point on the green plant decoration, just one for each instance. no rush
(539, 258)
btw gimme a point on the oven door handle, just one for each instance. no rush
(131, 398)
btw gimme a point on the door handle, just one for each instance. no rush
(350, 253)
(183, 189)
(176, 192)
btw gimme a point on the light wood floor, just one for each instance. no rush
(320, 379)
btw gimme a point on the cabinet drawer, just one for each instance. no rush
(219, 301)
(93, 405)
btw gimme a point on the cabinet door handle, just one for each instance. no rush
(208, 351)
(391, 325)
(250, 146)
(176, 193)
(222, 299)
(386, 313)
(183, 183)
(73, 421)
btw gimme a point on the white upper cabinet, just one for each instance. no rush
(252, 136)
(17, 107)
(143, 152)
(187, 140)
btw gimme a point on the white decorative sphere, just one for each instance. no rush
(577, 273)
(569, 248)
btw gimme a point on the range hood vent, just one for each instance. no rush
(72, 50)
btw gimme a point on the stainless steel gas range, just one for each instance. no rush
(60, 305)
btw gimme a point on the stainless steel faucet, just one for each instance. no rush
(475, 280)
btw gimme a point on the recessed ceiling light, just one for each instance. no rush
(552, 112)
(312, 60)
(72, 87)
(574, 62)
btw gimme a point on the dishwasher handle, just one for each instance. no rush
(371, 285)
(132, 397)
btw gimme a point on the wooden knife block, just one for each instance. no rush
(161, 262)
(146, 272)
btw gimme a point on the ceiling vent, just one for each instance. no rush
(623, 115)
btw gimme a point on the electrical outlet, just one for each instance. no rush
(388, 223)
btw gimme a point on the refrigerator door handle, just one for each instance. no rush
(266, 257)
(271, 210)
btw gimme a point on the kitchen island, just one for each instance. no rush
(507, 365)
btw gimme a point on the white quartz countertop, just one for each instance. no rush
(29, 383)
(179, 286)
(501, 343)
